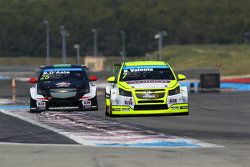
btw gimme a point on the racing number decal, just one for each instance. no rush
(45, 77)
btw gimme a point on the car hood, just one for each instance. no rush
(148, 84)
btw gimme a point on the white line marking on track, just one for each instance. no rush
(92, 131)
(37, 144)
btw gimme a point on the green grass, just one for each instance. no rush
(235, 59)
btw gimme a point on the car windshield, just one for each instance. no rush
(130, 73)
(53, 74)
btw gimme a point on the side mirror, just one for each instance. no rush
(93, 78)
(181, 77)
(32, 80)
(111, 79)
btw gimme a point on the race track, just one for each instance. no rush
(216, 133)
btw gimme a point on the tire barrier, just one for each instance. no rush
(210, 82)
(192, 88)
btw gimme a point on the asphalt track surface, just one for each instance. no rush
(218, 118)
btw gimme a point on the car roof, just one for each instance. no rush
(145, 63)
(63, 66)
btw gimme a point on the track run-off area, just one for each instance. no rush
(216, 133)
(96, 131)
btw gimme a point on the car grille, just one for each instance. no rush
(151, 107)
(64, 103)
(63, 93)
(150, 94)
(151, 101)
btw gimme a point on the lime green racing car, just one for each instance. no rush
(145, 87)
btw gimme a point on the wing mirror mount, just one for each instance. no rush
(93, 78)
(32, 80)
(111, 79)
(181, 77)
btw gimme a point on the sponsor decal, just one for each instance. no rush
(144, 67)
(63, 84)
(129, 101)
(173, 101)
(56, 72)
(86, 102)
(148, 81)
(61, 70)
(127, 69)
(139, 69)
(40, 104)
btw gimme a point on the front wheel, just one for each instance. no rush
(33, 106)
(95, 103)
(108, 111)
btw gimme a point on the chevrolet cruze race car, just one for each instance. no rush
(63, 86)
(145, 87)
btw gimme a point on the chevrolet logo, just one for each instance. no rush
(63, 91)
(149, 93)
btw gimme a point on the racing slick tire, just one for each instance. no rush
(33, 105)
(187, 113)
(95, 103)
(108, 111)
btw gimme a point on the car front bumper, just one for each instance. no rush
(66, 104)
(173, 109)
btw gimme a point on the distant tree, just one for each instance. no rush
(186, 21)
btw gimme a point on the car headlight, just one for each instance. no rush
(39, 91)
(42, 92)
(174, 91)
(87, 89)
(125, 93)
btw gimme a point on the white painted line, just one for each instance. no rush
(37, 144)
(6, 101)
(91, 131)
(38, 124)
